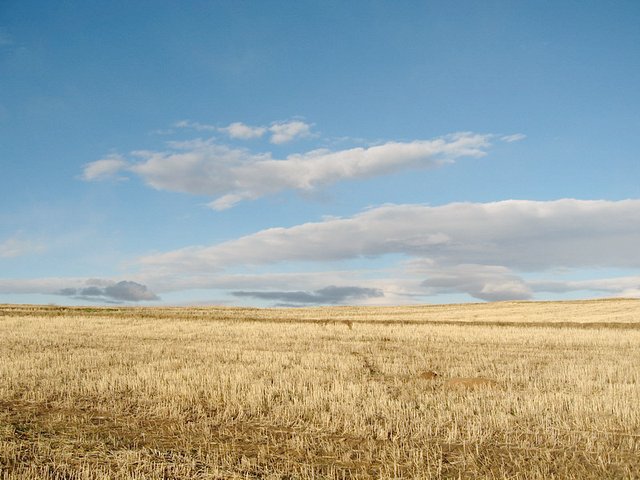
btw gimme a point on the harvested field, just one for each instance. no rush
(345, 392)
(470, 383)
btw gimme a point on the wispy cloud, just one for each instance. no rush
(516, 137)
(204, 167)
(17, 246)
(5, 38)
(627, 286)
(279, 132)
(200, 127)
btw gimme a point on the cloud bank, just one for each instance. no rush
(508, 250)
(485, 250)
(204, 167)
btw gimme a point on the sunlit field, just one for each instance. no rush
(503, 390)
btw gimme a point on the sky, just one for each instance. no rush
(272, 153)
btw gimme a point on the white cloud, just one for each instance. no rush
(226, 202)
(516, 137)
(104, 168)
(242, 131)
(17, 246)
(234, 174)
(285, 132)
(280, 132)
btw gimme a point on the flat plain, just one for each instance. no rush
(498, 390)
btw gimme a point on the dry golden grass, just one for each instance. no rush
(144, 393)
(470, 383)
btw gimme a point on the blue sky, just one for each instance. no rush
(302, 153)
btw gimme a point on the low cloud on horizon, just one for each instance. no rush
(110, 292)
(508, 250)
(330, 295)
(484, 250)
